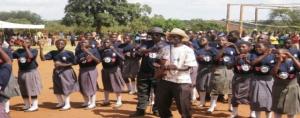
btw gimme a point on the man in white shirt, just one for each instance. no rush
(177, 59)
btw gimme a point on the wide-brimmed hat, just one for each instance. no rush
(156, 30)
(180, 32)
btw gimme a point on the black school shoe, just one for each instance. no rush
(138, 113)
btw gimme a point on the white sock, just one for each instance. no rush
(106, 96)
(93, 99)
(133, 84)
(194, 94)
(268, 114)
(67, 102)
(229, 102)
(257, 114)
(152, 97)
(6, 106)
(252, 114)
(214, 100)
(234, 111)
(119, 98)
(202, 98)
(213, 103)
(277, 115)
(35, 105)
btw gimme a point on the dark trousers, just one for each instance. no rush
(144, 86)
(181, 93)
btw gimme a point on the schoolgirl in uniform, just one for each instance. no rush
(12, 88)
(204, 55)
(28, 76)
(289, 46)
(293, 50)
(221, 76)
(5, 74)
(64, 78)
(262, 80)
(111, 73)
(286, 91)
(131, 64)
(242, 77)
(88, 58)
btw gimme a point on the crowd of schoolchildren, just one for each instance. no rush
(260, 70)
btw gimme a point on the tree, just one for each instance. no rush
(21, 17)
(290, 17)
(103, 13)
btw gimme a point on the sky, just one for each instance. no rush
(176, 9)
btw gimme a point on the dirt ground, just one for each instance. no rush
(47, 102)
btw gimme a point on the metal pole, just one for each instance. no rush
(241, 19)
(256, 17)
(227, 18)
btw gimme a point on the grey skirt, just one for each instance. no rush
(261, 92)
(88, 81)
(30, 82)
(130, 68)
(64, 81)
(241, 88)
(286, 97)
(229, 76)
(220, 80)
(194, 72)
(112, 80)
(203, 78)
(12, 89)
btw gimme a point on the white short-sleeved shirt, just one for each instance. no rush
(181, 56)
